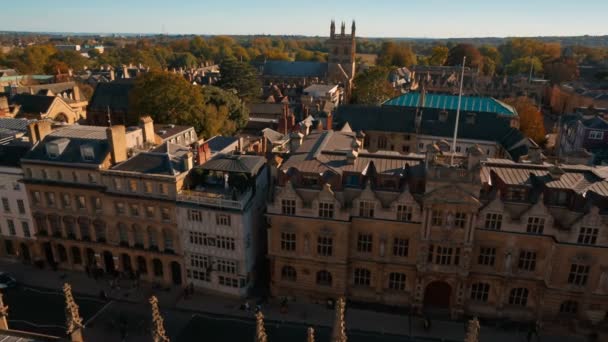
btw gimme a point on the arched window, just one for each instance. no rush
(382, 142)
(158, 267)
(123, 235)
(518, 296)
(569, 307)
(288, 273)
(324, 278)
(139, 236)
(362, 277)
(76, 256)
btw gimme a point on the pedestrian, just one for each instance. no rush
(427, 324)
(247, 306)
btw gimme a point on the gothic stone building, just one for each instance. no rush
(340, 68)
(488, 237)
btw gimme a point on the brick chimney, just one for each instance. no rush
(147, 125)
(203, 152)
(37, 131)
(117, 139)
(329, 122)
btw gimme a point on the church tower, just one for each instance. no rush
(341, 56)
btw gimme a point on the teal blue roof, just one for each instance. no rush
(450, 102)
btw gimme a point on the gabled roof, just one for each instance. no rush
(33, 104)
(114, 95)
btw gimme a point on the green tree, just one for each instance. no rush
(439, 54)
(183, 60)
(530, 119)
(167, 98)
(237, 110)
(372, 86)
(240, 77)
(523, 65)
(73, 59)
(397, 55)
(458, 52)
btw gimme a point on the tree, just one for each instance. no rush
(523, 65)
(72, 59)
(456, 54)
(561, 71)
(398, 55)
(240, 77)
(167, 98)
(237, 111)
(439, 54)
(372, 86)
(183, 60)
(530, 119)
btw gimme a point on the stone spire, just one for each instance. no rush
(472, 334)
(260, 331)
(73, 319)
(158, 328)
(311, 335)
(3, 314)
(339, 333)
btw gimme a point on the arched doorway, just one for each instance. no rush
(176, 273)
(142, 266)
(48, 252)
(157, 268)
(126, 263)
(108, 260)
(91, 257)
(437, 295)
(25, 252)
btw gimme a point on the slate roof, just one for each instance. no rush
(323, 151)
(235, 163)
(113, 94)
(402, 120)
(166, 159)
(167, 131)
(35, 104)
(11, 154)
(219, 143)
(294, 69)
(266, 108)
(76, 136)
(375, 118)
(450, 102)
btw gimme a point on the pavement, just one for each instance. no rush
(179, 311)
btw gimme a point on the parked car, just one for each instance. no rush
(6, 281)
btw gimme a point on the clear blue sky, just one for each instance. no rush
(375, 18)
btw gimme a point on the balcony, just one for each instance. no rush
(216, 197)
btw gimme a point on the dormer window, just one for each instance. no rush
(56, 147)
(87, 152)
(471, 118)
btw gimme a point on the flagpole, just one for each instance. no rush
(464, 59)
